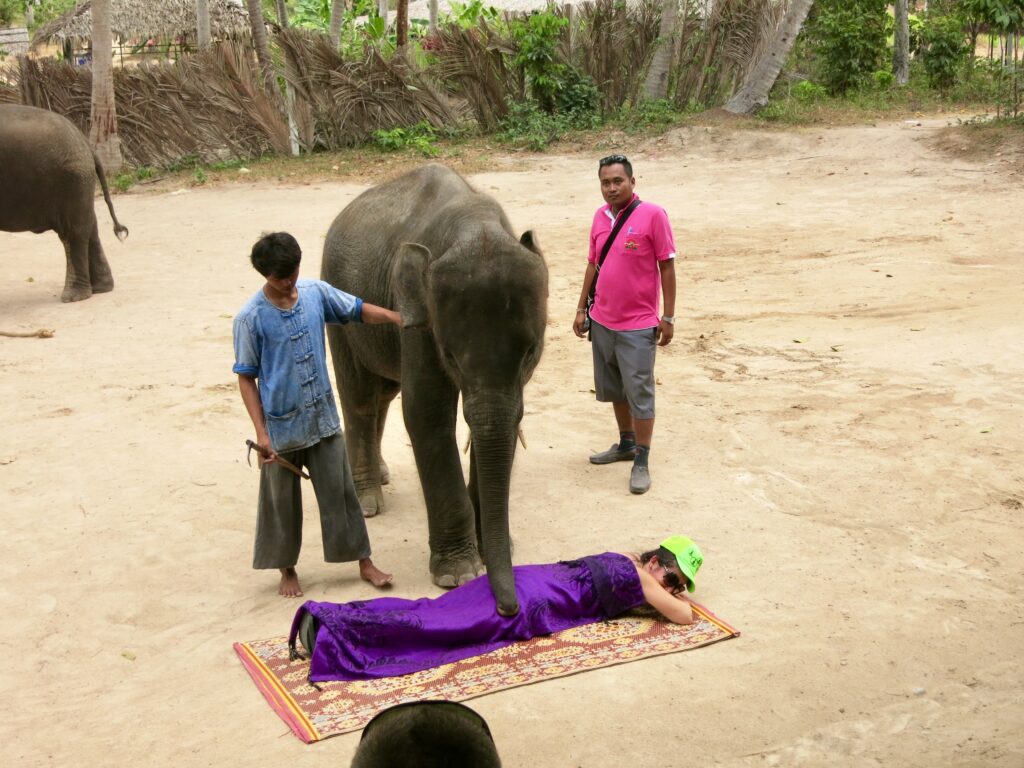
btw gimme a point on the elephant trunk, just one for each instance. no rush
(494, 447)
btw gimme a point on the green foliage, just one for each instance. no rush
(944, 49)
(199, 175)
(536, 38)
(1003, 15)
(470, 14)
(11, 10)
(648, 116)
(883, 78)
(125, 181)
(528, 125)
(807, 92)
(48, 10)
(578, 99)
(849, 40)
(421, 138)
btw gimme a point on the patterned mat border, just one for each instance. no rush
(282, 702)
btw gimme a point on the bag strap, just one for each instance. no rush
(608, 245)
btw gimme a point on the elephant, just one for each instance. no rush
(427, 733)
(473, 301)
(48, 181)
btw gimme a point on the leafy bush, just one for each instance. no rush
(536, 36)
(883, 79)
(579, 99)
(421, 137)
(850, 40)
(944, 49)
(10, 10)
(807, 92)
(528, 125)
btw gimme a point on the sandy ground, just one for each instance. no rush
(840, 426)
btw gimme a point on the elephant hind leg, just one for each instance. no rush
(388, 393)
(100, 276)
(76, 281)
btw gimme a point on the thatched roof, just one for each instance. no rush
(134, 19)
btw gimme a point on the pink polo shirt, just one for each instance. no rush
(629, 286)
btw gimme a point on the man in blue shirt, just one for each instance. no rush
(281, 362)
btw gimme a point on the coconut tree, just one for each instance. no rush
(382, 11)
(753, 94)
(102, 112)
(282, 13)
(901, 43)
(656, 84)
(432, 14)
(402, 25)
(337, 14)
(203, 23)
(259, 41)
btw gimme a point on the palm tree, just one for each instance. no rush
(901, 43)
(656, 84)
(203, 24)
(337, 14)
(259, 41)
(103, 113)
(753, 94)
(382, 10)
(402, 25)
(432, 13)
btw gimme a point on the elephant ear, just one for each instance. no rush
(409, 276)
(529, 242)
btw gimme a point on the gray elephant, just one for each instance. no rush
(48, 181)
(473, 301)
(427, 733)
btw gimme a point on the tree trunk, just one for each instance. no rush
(262, 46)
(432, 12)
(656, 84)
(382, 11)
(753, 94)
(402, 25)
(103, 113)
(337, 15)
(901, 43)
(282, 14)
(203, 24)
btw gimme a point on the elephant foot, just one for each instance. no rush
(385, 473)
(372, 502)
(77, 293)
(452, 571)
(103, 286)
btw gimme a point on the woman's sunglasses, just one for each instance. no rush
(672, 580)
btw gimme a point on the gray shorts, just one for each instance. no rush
(624, 367)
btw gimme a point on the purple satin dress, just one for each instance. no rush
(391, 636)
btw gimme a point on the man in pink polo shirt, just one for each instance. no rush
(626, 327)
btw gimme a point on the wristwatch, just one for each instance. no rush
(668, 319)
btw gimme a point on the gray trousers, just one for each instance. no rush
(279, 509)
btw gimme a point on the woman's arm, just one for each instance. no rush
(675, 608)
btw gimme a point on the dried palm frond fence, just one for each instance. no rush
(340, 103)
(212, 105)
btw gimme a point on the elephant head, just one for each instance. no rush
(485, 302)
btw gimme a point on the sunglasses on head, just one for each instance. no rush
(612, 160)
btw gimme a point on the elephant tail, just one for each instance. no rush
(119, 230)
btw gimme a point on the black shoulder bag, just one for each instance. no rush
(604, 254)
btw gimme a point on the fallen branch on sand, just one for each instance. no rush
(42, 333)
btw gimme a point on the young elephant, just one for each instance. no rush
(48, 181)
(473, 300)
(427, 734)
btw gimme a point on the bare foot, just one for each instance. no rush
(371, 573)
(289, 583)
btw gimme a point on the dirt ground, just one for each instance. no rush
(840, 426)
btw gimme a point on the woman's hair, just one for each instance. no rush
(668, 560)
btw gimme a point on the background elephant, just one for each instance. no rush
(48, 181)
(473, 300)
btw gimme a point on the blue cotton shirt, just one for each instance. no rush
(283, 349)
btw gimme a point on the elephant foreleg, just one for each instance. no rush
(429, 405)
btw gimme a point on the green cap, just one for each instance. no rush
(688, 557)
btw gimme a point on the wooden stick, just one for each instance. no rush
(282, 461)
